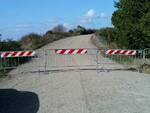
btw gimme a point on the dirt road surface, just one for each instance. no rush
(78, 91)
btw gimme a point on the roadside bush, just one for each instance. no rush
(31, 41)
(107, 34)
(82, 31)
(10, 45)
(53, 36)
(107, 37)
(131, 22)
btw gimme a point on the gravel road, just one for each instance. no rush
(75, 91)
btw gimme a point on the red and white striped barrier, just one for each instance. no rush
(17, 54)
(71, 51)
(121, 52)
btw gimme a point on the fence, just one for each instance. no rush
(146, 56)
(60, 59)
(13, 59)
(50, 59)
(71, 58)
(120, 59)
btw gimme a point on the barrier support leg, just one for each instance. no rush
(45, 61)
(97, 63)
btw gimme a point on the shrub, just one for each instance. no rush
(31, 41)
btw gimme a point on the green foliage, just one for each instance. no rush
(34, 41)
(31, 41)
(107, 34)
(107, 37)
(9, 45)
(131, 23)
(82, 31)
(53, 36)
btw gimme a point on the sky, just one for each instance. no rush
(20, 17)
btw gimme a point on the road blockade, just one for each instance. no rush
(121, 52)
(71, 51)
(89, 58)
(17, 54)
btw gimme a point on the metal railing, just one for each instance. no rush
(120, 61)
(94, 59)
(54, 60)
(146, 56)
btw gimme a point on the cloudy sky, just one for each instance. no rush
(19, 17)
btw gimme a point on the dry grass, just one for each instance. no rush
(145, 68)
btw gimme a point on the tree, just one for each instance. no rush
(107, 34)
(81, 29)
(131, 23)
(59, 29)
(31, 41)
(9, 45)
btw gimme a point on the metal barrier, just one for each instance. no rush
(146, 56)
(86, 58)
(12, 60)
(70, 58)
(120, 59)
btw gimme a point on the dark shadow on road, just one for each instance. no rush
(13, 101)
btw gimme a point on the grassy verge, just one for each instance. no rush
(145, 68)
(123, 60)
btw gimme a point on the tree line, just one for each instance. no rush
(131, 25)
(35, 41)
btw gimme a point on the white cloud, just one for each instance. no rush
(92, 16)
(91, 13)
(88, 17)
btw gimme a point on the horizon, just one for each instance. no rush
(19, 17)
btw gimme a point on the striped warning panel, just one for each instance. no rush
(17, 54)
(121, 52)
(71, 51)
